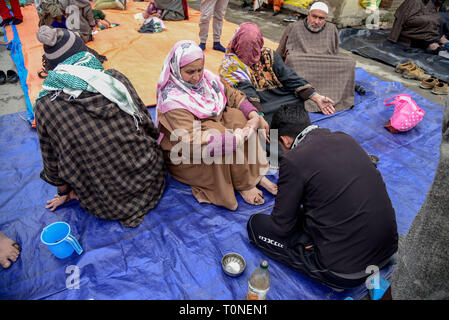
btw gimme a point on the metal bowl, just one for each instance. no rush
(233, 264)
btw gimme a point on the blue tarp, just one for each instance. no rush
(17, 56)
(176, 252)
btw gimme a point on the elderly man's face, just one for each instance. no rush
(316, 20)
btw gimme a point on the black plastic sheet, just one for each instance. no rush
(373, 44)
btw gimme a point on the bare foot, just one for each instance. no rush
(253, 196)
(9, 250)
(268, 185)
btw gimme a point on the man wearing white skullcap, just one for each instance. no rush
(310, 47)
(320, 6)
(317, 16)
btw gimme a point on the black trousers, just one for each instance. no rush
(296, 251)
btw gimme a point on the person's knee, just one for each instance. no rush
(205, 19)
(218, 17)
(255, 225)
(250, 229)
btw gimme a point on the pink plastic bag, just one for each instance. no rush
(406, 114)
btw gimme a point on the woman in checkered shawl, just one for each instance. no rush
(97, 140)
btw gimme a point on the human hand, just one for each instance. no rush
(254, 121)
(434, 46)
(244, 132)
(241, 135)
(444, 40)
(324, 103)
(59, 200)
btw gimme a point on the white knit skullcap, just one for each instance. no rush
(320, 6)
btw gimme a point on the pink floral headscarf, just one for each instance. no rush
(204, 100)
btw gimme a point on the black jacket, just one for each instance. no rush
(329, 186)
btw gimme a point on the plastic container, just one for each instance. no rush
(259, 282)
(59, 240)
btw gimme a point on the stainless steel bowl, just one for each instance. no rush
(233, 264)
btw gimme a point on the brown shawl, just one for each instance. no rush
(415, 20)
(316, 58)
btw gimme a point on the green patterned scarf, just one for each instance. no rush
(83, 72)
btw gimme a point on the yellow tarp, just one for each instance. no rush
(139, 56)
(299, 3)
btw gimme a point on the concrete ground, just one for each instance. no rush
(11, 95)
(12, 99)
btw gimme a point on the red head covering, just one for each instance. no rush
(247, 43)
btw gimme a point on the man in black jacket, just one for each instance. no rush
(333, 220)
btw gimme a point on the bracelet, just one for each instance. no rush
(314, 93)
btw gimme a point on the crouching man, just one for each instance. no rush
(332, 216)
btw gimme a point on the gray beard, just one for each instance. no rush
(314, 30)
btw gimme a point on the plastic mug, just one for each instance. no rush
(59, 240)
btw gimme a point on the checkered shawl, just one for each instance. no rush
(316, 58)
(117, 172)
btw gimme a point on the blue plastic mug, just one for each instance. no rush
(58, 239)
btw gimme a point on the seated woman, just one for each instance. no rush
(207, 118)
(263, 76)
(97, 139)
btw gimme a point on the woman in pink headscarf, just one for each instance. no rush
(205, 128)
